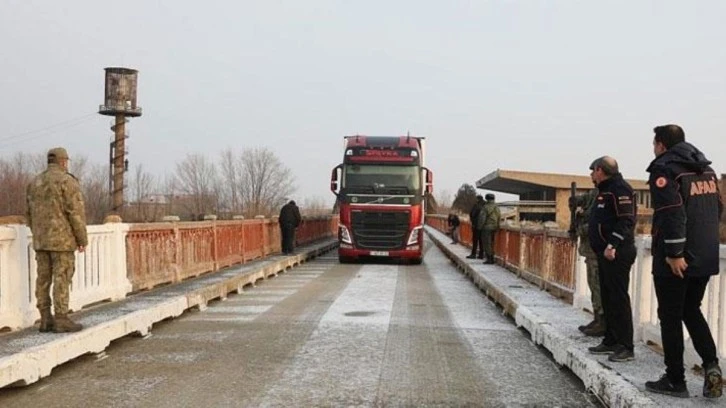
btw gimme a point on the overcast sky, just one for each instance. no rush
(522, 85)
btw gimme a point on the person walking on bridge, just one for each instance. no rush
(57, 220)
(289, 220)
(611, 229)
(687, 208)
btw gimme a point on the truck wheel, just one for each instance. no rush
(416, 261)
(345, 259)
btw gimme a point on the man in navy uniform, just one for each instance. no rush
(687, 209)
(611, 229)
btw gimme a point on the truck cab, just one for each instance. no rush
(380, 189)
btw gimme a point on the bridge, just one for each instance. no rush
(321, 333)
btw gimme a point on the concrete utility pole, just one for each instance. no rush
(120, 102)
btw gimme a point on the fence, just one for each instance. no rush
(548, 258)
(125, 258)
(544, 257)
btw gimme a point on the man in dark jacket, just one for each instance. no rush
(611, 229)
(475, 232)
(289, 220)
(687, 209)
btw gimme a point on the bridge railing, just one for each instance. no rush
(125, 258)
(545, 257)
(549, 259)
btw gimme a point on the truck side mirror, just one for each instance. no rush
(429, 186)
(334, 176)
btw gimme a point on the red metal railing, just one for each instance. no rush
(548, 255)
(161, 253)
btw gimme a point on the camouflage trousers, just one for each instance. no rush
(487, 241)
(56, 268)
(593, 281)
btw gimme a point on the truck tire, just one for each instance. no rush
(345, 259)
(416, 261)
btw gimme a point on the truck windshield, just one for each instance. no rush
(381, 179)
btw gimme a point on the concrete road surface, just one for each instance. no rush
(324, 334)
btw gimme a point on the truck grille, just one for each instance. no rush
(378, 230)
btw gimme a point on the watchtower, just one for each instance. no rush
(120, 102)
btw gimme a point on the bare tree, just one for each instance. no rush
(94, 184)
(230, 186)
(143, 207)
(266, 182)
(171, 193)
(196, 179)
(15, 174)
(444, 199)
(316, 206)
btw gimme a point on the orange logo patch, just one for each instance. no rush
(661, 182)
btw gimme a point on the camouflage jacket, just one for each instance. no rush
(56, 213)
(489, 217)
(585, 201)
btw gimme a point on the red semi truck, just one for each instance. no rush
(380, 188)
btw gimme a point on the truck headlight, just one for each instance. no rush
(413, 238)
(344, 234)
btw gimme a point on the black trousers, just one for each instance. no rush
(476, 243)
(288, 238)
(679, 302)
(614, 280)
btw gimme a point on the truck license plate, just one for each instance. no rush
(379, 253)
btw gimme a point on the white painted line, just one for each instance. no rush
(258, 309)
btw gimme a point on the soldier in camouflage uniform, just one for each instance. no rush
(584, 203)
(488, 224)
(56, 217)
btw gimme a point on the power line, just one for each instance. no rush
(46, 131)
(51, 128)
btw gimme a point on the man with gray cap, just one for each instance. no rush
(611, 229)
(57, 220)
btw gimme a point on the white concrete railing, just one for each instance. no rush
(8, 261)
(100, 272)
(646, 326)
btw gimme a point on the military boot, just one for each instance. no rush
(596, 330)
(587, 326)
(63, 324)
(46, 321)
(713, 382)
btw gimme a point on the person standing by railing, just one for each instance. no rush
(56, 217)
(687, 209)
(583, 205)
(289, 220)
(488, 222)
(476, 244)
(453, 223)
(611, 229)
